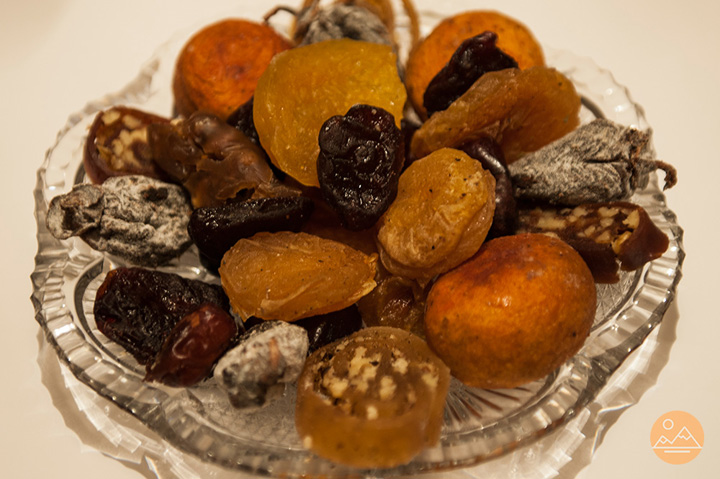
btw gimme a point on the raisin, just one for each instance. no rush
(442, 213)
(473, 58)
(138, 308)
(397, 302)
(382, 384)
(289, 276)
(327, 328)
(305, 86)
(190, 351)
(361, 155)
(215, 229)
(490, 155)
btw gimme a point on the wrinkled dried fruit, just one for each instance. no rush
(305, 86)
(266, 358)
(289, 276)
(138, 308)
(361, 155)
(383, 385)
(434, 52)
(190, 351)
(117, 144)
(218, 69)
(606, 235)
(396, 302)
(216, 229)
(473, 58)
(327, 328)
(341, 21)
(442, 213)
(523, 110)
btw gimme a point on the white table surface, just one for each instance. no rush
(55, 55)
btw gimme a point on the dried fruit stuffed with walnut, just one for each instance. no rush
(373, 399)
(290, 276)
(440, 217)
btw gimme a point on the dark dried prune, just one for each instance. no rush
(242, 119)
(326, 328)
(488, 152)
(216, 229)
(361, 156)
(473, 58)
(193, 346)
(137, 308)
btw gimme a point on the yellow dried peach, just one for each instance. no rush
(305, 86)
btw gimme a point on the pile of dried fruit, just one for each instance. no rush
(397, 221)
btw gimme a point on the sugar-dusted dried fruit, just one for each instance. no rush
(289, 276)
(138, 308)
(474, 57)
(218, 68)
(442, 213)
(305, 86)
(512, 314)
(361, 155)
(341, 21)
(373, 399)
(523, 110)
(434, 51)
(117, 144)
(192, 347)
(609, 236)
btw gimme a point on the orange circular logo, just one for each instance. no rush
(677, 437)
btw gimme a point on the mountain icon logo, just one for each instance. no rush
(677, 437)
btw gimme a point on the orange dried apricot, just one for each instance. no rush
(440, 217)
(219, 66)
(305, 86)
(523, 110)
(289, 276)
(435, 50)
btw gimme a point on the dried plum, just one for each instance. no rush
(361, 155)
(138, 308)
(326, 328)
(473, 58)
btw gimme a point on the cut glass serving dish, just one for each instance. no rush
(199, 422)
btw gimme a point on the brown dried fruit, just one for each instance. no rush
(305, 86)
(442, 213)
(433, 52)
(373, 399)
(523, 110)
(218, 69)
(289, 276)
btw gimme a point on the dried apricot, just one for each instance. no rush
(290, 276)
(523, 110)
(373, 399)
(218, 68)
(434, 51)
(305, 86)
(442, 213)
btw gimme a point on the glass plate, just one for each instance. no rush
(479, 424)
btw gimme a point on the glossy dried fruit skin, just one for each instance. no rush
(289, 276)
(305, 86)
(218, 68)
(361, 155)
(330, 327)
(195, 343)
(395, 302)
(441, 216)
(117, 144)
(434, 51)
(513, 313)
(523, 110)
(473, 58)
(138, 308)
(382, 384)
(214, 230)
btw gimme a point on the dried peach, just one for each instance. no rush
(440, 217)
(288, 276)
(305, 86)
(523, 110)
(218, 68)
(434, 51)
